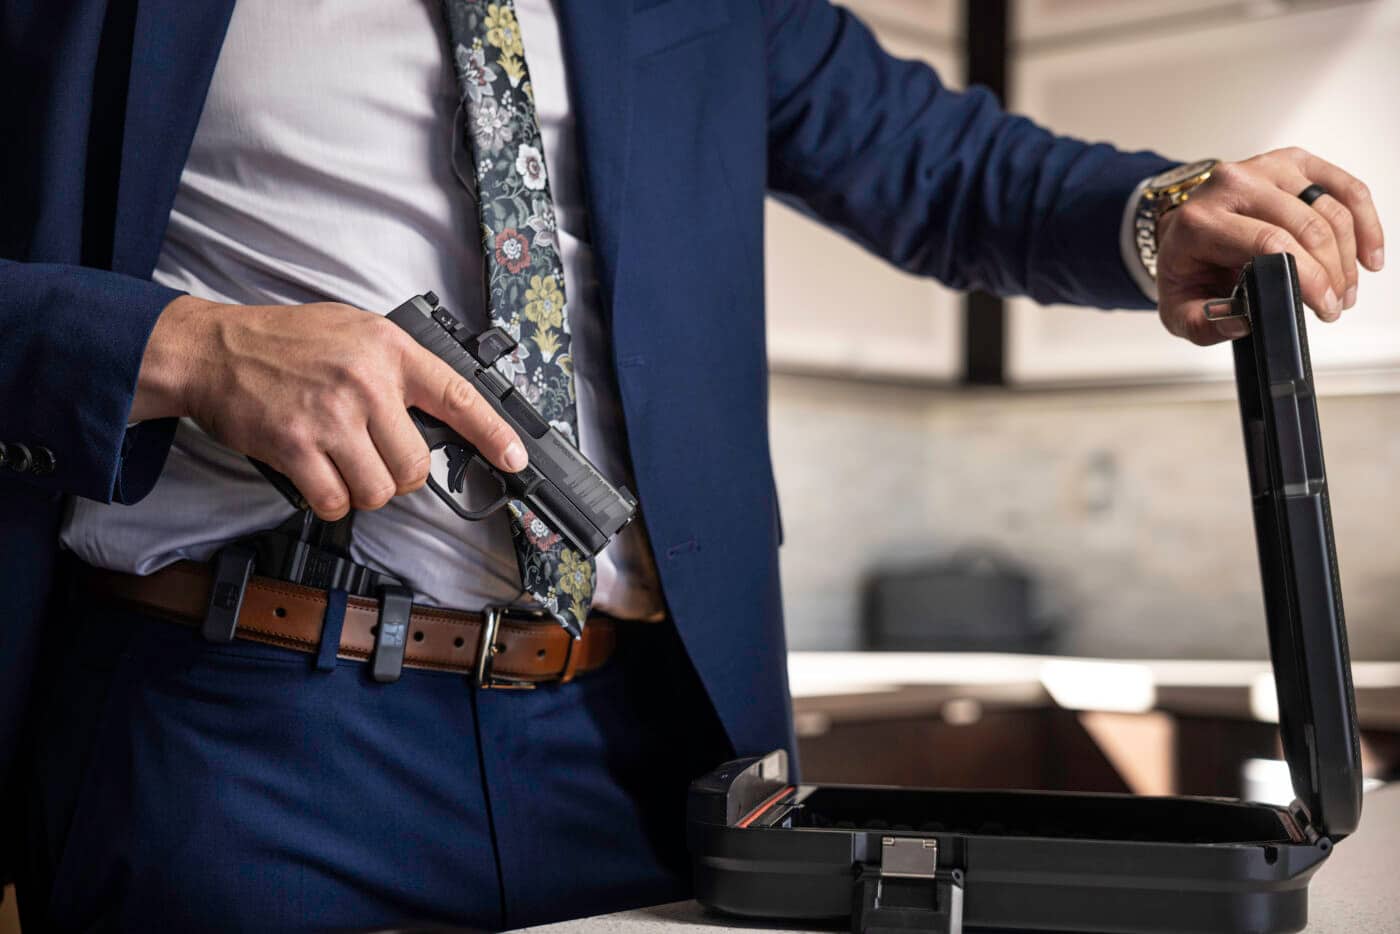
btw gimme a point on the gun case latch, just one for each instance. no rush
(907, 891)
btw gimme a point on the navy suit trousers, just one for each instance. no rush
(206, 787)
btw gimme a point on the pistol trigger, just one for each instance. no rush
(458, 460)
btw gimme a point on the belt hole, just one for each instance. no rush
(374, 630)
(280, 612)
(458, 642)
(541, 653)
(418, 636)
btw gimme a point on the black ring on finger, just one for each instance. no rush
(1311, 194)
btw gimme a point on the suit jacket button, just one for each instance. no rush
(19, 457)
(4, 453)
(44, 462)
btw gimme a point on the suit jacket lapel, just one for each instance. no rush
(172, 61)
(595, 37)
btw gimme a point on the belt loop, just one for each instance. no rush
(331, 626)
(571, 660)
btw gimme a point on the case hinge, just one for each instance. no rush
(1302, 819)
(907, 891)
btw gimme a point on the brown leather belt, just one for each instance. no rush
(526, 649)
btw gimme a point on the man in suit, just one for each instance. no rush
(205, 207)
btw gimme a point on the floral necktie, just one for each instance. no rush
(523, 268)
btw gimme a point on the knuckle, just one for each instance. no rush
(350, 375)
(1356, 190)
(414, 472)
(1337, 215)
(293, 439)
(376, 496)
(459, 398)
(330, 504)
(337, 405)
(1193, 216)
(1230, 174)
(496, 433)
(1315, 232)
(383, 334)
(1271, 240)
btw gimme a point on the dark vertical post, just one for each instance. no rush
(988, 30)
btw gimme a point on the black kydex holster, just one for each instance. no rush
(313, 553)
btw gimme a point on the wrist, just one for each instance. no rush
(1144, 277)
(173, 359)
(1152, 200)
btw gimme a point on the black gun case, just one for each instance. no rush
(902, 859)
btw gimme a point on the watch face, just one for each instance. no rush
(1173, 177)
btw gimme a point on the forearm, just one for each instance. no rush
(939, 182)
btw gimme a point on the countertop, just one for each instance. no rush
(1355, 891)
(859, 685)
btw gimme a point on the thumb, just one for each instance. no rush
(1185, 316)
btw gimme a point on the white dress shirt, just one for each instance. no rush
(322, 170)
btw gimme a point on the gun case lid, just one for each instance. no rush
(1297, 553)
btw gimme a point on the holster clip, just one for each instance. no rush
(391, 635)
(233, 565)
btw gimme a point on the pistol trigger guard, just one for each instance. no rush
(471, 515)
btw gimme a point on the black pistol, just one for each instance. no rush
(559, 484)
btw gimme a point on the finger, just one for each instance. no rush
(1352, 192)
(401, 448)
(1188, 319)
(1231, 240)
(1183, 310)
(1344, 230)
(1309, 228)
(321, 485)
(435, 387)
(360, 466)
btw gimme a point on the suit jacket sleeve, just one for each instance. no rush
(941, 183)
(72, 347)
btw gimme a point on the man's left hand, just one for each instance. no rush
(1250, 208)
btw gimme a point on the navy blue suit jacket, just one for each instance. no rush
(689, 112)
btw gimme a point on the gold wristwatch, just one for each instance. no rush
(1160, 194)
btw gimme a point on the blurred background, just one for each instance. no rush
(1069, 482)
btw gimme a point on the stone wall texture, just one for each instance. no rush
(1130, 505)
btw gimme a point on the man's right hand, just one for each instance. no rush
(319, 392)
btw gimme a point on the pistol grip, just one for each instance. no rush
(282, 483)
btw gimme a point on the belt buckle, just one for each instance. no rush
(486, 653)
